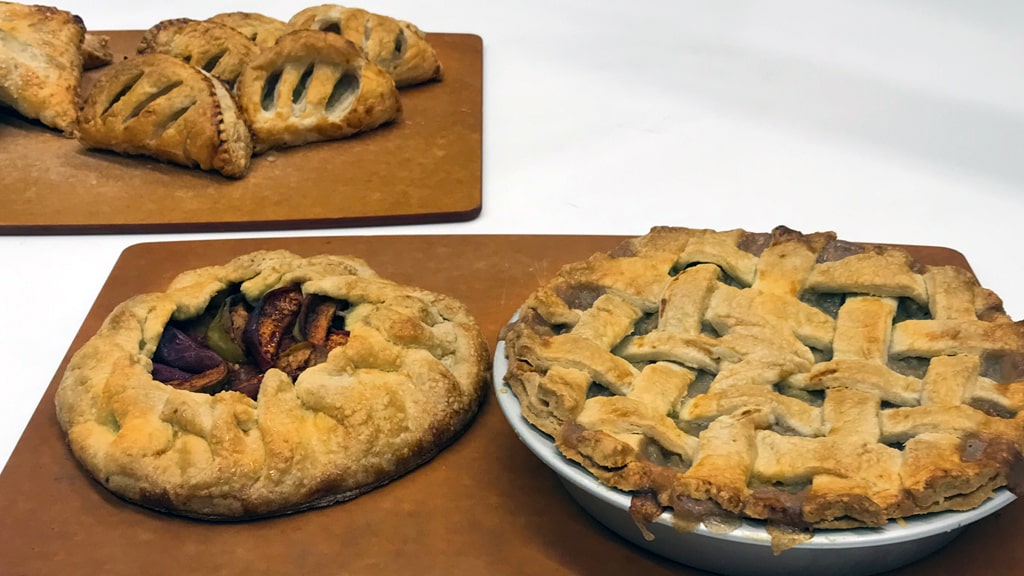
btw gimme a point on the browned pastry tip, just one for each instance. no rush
(96, 51)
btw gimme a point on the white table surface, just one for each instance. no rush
(885, 120)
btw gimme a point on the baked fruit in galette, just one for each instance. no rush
(271, 384)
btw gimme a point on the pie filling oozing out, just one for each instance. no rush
(797, 379)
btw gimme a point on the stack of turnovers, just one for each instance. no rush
(798, 379)
(270, 384)
(210, 94)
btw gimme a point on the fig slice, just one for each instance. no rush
(317, 318)
(336, 338)
(206, 381)
(178, 350)
(245, 379)
(298, 357)
(250, 387)
(274, 316)
(164, 373)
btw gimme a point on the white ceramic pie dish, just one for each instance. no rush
(746, 550)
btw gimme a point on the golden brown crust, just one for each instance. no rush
(786, 377)
(261, 29)
(313, 86)
(161, 32)
(397, 46)
(408, 381)
(220, 50)
(41, 63)
(159, 106)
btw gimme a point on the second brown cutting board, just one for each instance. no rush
(485, 505)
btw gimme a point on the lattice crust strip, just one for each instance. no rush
(794, 378)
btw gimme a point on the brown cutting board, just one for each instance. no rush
(485, 505)
(424, 168)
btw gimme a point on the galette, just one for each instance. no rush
(270, 384)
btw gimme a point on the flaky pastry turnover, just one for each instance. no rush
(787, 377)
(397, 46)
(41, 63)
(261, 29)
(270, 384)
(216, 48)
(313, 86)
(159, 106)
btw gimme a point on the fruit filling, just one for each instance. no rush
(233, 343)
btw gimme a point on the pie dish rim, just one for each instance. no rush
(750, 531)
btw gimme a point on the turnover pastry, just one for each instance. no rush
(261, 29)
(313, 86)
(270, 384)
(216, 48)
(395, 45)
(797, 379)
(41, 63)
(157, 105)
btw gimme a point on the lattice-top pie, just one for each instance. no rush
(270, 384)
(799, 379)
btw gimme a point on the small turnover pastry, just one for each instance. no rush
(261, 29)
(159, 106)
(41, 63)
(218, 49)
(270, 384)
(395, 45)
(313, 86)
(793, 378)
